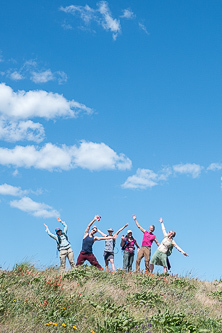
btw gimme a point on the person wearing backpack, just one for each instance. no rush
(63, 245)
(109, 247)
(165, 249)
(128, 246)
(145, 250)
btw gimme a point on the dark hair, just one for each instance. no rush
(153, 226)
(174, 233)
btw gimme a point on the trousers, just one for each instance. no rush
(144, 251)
(63, 254)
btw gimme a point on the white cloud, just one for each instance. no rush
(193, 169)
(34, 208)
(128, 14)
(101, 16)
(89, 155)
(143, 179)
(12, 131)
(37, 103)
(215, 166)
(142, 27)
(6, 189)
(95, 156)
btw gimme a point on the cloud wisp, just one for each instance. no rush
(88, 155)
(101, 15)
(30, 70)
(34, 208)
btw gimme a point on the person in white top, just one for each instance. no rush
(160, 256)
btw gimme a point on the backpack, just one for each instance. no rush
(125, 245)
(59, 240)
(169, 251)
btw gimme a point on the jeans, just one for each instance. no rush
(128, 260)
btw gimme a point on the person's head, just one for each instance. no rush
(151, 228)
(94, 230)
(58, 231)
(171, 234)
(129, 233)
(110, 231)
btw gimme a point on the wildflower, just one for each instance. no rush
(74, 328)
(92, 331)
(63, 324)
(55, 324)
(26, 299)
(64, 308)
(50, 322)
(47, 324)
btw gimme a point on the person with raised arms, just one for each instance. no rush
(63, 245)
(109, 247)
(87, 244)
(145, 250)
(160, 256)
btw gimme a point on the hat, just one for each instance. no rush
(110, 229)
(58, 229)
(128, 231)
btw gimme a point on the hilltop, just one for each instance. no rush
(88, 300)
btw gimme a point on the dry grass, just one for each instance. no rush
(105, 302)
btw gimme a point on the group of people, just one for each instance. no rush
(128, 244)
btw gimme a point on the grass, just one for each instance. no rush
(88, 300)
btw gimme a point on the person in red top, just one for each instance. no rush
(145, 250)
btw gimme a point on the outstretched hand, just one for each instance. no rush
(46, 226)
(97, 217)
(161, 220)
(186, 255)
(126, 225)
(122, 237)
(134, 217)
(58, 219)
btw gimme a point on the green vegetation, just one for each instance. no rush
(88, 300)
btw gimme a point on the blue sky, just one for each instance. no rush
(111, 108)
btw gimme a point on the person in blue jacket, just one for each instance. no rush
(63, 245)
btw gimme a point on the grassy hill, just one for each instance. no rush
(91, 301)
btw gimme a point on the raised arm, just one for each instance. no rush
(179, 249)
(96, 218)
(138, 225)
(123, 241)
(102, 238)
(64, 224)
(163, 228)
(101, 233)
(117, 233)
(49, 233)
